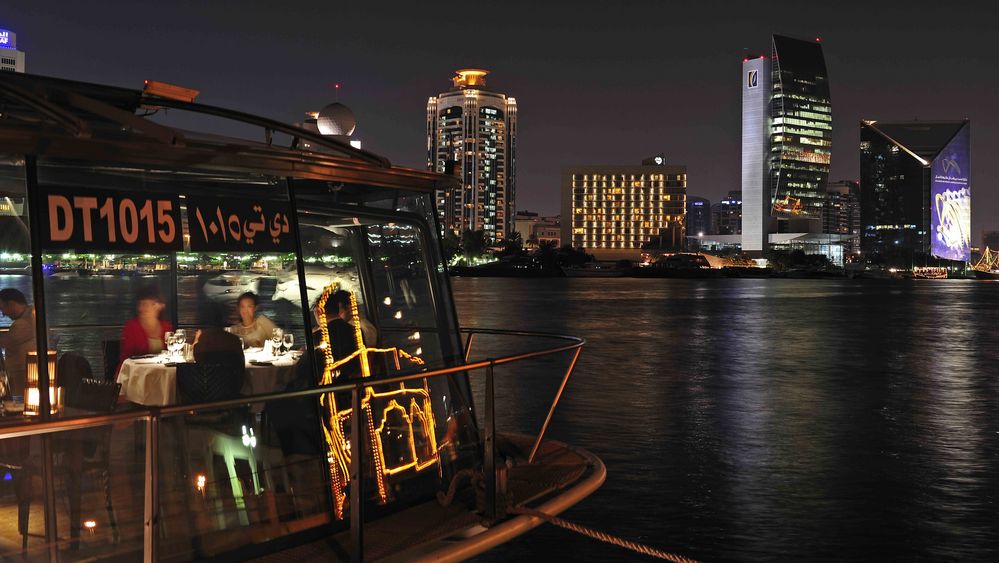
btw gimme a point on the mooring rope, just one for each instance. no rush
(604, 537)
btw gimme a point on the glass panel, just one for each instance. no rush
(99, 476)
(231, 479)
(17, 327)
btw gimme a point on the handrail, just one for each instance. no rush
(154, 415)
(144, 413)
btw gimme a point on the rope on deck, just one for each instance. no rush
(603, 536)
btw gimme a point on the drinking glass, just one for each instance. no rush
(276, 335)
(168, 342)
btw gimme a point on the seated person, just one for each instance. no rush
(144, 333)
(19, 339)
(213, 344)
(342, 339)
(254, 329)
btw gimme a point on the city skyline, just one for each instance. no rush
(662, 86)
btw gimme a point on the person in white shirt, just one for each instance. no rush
(254, 329)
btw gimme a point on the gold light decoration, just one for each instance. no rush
(32, 390)
(411, 405)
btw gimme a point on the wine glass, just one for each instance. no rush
(276, 335)
(289, 340)
(168, 339)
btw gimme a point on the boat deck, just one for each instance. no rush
(559, 478)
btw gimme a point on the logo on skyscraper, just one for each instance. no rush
(753, 79)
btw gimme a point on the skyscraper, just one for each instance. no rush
(472, 134)
(698, 216)
(915, 190)
(726, 215)
(10, 58)
(786, 144)
(841, 212)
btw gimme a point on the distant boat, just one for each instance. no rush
(595, 270)
(987, 267)
(929, 273)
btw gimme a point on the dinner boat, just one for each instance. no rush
(265, 362)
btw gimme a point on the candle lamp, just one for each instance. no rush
(32, 387)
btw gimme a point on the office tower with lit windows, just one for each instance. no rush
(698, 215)
(613, 211)
(915, 191)
(726, 215)
(10, 58)
(841, 213)
(472, 134)
(786, 147)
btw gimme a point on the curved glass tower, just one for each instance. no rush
(800, 129)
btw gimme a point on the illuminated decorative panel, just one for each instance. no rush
(410, 406)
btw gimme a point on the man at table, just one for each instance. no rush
(19, 340)
(212, 344)
(254, 329)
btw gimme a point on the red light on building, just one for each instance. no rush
(818, 40)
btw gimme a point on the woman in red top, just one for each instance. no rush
(144, 333)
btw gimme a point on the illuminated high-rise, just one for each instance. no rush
(472, 134)
(10, 58)
(915, 191)
(786, 145)
(613, 211)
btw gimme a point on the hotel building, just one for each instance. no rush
(786, 147)
(915, 191)
(10, 58)
(612, 211)
(472, 134)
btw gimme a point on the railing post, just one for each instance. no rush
(356, 478)
(152, 491)
(489, 471)
(551, 410)
(468, 346)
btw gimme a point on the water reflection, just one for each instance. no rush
(767, 419)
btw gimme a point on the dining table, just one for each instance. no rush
(151, 379)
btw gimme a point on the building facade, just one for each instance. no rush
(726, 215)
(613, 211)
(841, 213)
(698, 215)
(786, 143)
(472, 134)
(10, 58)
(534, 229)
(915, 191)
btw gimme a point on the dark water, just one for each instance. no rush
(767, 419)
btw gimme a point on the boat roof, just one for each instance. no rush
(57, 118)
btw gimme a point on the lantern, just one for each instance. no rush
(32, 389)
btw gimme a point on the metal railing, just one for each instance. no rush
(153, 416)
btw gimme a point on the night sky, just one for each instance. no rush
(596, 82)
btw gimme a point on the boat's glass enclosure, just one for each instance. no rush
(147, 277)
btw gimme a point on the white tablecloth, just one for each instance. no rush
(151, 382)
